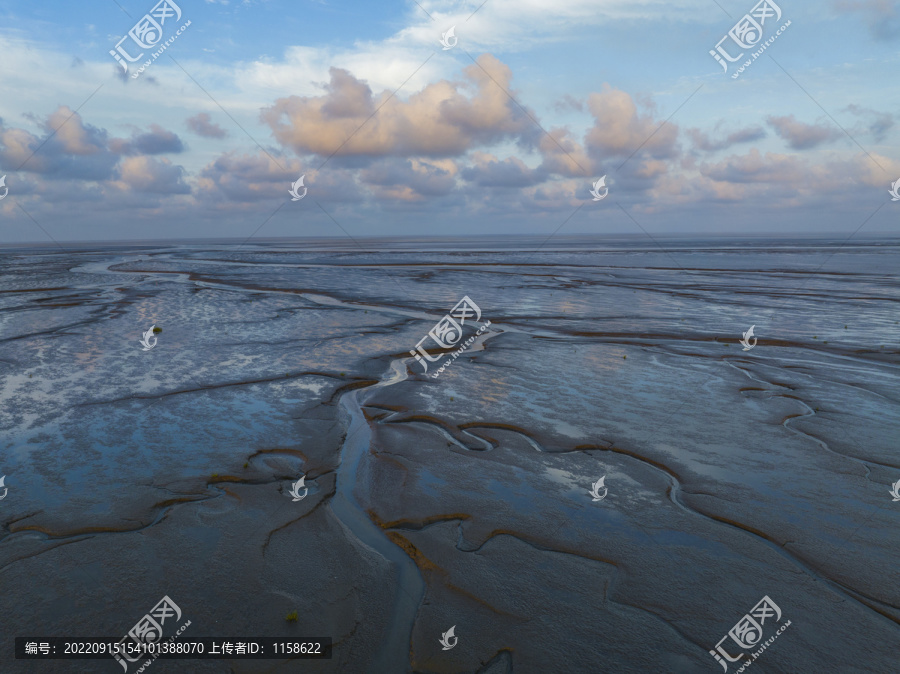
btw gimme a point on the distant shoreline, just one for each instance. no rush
(502, 241)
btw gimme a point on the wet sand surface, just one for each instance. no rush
(462, 500)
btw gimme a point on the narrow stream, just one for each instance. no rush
(393, 656)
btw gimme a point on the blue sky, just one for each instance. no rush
(208, 139)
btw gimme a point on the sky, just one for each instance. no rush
(506, 131)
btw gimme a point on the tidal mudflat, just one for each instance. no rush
(465, 499)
